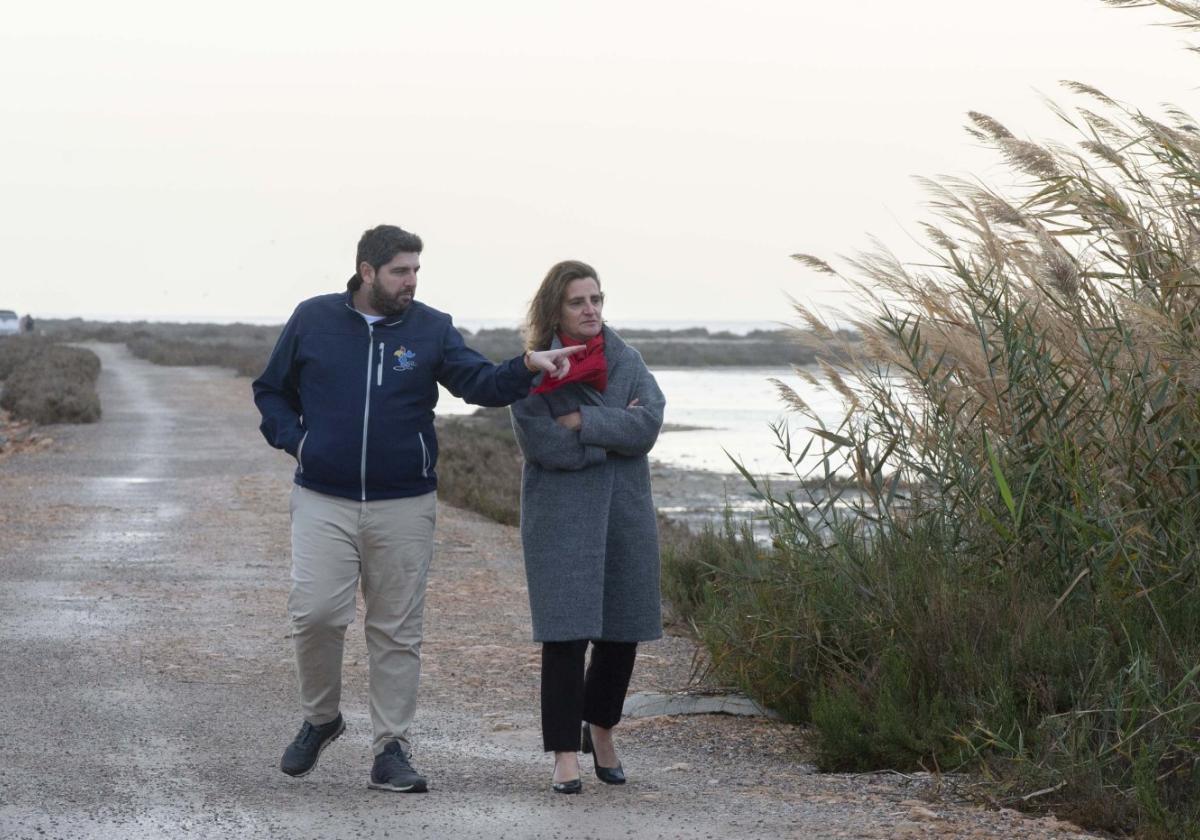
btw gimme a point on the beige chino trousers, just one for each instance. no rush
(388, 546)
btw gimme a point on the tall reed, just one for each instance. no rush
(1014, 584)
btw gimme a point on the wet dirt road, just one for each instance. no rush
(147, 686)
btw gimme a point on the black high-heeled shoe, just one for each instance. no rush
(573, 786)
(608, 775)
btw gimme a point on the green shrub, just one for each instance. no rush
(47, 382)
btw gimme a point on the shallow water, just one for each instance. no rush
(734, 410)
(727, 410)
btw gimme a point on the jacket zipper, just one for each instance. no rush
(424, 456)
(362, 467)
(379, 370)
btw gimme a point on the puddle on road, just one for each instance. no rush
(126, 539)
(168, 510)
(141, 499)
(55, 616)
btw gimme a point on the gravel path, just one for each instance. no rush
(146, 673)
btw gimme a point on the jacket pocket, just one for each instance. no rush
(300, 452)
(402, 461)
(426, 465)
(330, 459)
(430, 443)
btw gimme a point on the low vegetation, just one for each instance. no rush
(479, 465)
(1014, 591)
(694, 347)
(244, 359)
(48, 382)
(244, 348)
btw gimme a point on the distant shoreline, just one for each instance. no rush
(473, 324)
(245, 347)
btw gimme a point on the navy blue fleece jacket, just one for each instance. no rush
(353, 403)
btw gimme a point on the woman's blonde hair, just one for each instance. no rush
(542, 320)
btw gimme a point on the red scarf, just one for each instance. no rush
(588, 366)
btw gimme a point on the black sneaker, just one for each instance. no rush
(391, 771)
(301, 755)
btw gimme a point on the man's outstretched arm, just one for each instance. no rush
(470, 375)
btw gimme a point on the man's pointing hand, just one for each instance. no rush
(557, 362)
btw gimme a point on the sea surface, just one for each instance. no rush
(727, 413)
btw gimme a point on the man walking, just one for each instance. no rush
(349, 391)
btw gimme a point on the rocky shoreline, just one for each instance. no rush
(698, 497)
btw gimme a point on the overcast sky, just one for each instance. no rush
(220, 161)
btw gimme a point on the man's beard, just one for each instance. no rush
(385, 305)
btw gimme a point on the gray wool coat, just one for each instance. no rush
(588, 524)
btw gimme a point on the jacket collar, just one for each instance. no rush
(611, 336)
(614, 346)
(348, 301)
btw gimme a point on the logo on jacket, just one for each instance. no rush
(405, 360)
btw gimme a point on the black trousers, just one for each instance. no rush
(570, 695)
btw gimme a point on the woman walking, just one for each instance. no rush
(588, 524)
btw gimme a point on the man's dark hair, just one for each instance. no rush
(379, 246)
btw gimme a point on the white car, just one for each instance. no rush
(10, 324)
